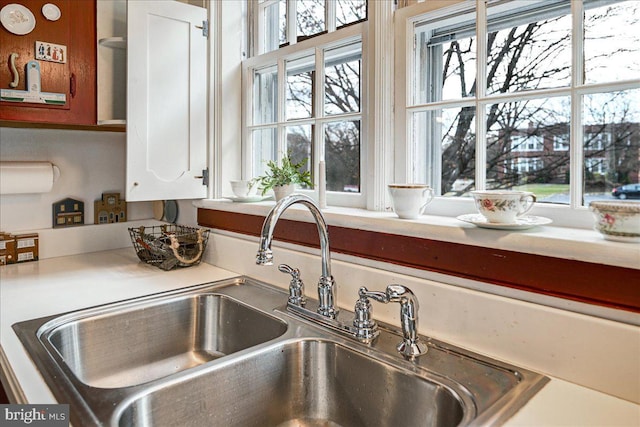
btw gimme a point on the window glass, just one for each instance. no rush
(520, 147)
(299, 145)
(307, 97)
(264, 148)
(265, 95)
(535, 53)
(274, 25)
(342, 79)
(523, 125)
(450, 166)
(611, 47)
(444, 68)
(300, 73)
(349, 11)
(611, 143)
(310, 17)
(342, 155)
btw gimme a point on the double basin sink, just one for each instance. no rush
(229, 354)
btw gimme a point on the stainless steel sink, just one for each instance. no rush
(156, 361)
(121, 347)
(299, 383)
(135, 342)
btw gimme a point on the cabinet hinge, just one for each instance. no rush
(204, 28)
(204, 177)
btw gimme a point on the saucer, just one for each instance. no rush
(248, 199)
(17, 19)
(51, 12)
(521, 223)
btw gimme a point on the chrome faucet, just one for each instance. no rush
(326, 284)
(410, 346)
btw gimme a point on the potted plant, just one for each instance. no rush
(282, 179)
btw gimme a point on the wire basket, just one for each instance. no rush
(169, 246)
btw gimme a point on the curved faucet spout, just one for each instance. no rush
(326, 284)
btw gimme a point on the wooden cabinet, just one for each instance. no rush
(76, 78)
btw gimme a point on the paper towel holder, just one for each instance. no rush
(27, 177)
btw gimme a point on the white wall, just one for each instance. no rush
(90, 163)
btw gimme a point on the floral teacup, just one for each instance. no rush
(503, 206)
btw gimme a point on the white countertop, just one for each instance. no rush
(56, 285)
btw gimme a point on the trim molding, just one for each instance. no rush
(591, 283)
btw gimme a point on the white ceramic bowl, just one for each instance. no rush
(619, 221)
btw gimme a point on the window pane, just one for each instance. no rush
(521, 147)
(611, 132)
(300, 74)
(275, 25)
(310, 17)
(534, 54)
(342, 155)
(444, 70)
(342, 79)
(611, 47)
(444, 150)
(299, 140)
(348, 11)
(265, 148)
(265, 94)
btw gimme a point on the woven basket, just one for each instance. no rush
(169, 246)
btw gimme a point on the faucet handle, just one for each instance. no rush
(410, 346)
(365, 328)
(296, 286)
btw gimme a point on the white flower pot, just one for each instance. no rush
(281, 191)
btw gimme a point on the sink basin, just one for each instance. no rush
(229, 353)
(300, 383)
(137, 344)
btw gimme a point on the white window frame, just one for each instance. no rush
(405, 19)
(316, 45)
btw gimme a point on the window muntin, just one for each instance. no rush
(538, 74)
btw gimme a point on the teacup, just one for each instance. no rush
(503, 206)
(410, 200)
(243, 188)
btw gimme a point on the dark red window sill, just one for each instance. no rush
(592, 283)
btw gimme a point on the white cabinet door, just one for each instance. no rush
(166, 100)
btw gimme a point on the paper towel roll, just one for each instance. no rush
(27, 177)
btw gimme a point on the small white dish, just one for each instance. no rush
(17, 19)
(51, 12)
(522, 223)
(248, 199)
